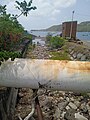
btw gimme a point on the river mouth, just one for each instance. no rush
(38, 41)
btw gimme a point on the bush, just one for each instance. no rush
(5, 55)
(56, 42)
(48, 37)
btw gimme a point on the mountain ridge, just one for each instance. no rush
(81, 27)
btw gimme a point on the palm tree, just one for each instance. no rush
(24, 7)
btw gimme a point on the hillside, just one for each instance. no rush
(55, 28)
(82, 27)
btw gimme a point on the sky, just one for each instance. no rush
(51, 12)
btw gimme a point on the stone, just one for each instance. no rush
(62, 105)
(83, 107)
(61, 98)
(67, 107)
(77, 103)
(72, 105)
(80, 42)
(88, 107)
(67, 98)
(83, 58)
(80, 117)
(70, 115)
(79, 55)
(72, 99)
(71, 58)
(57, 113)
(50, 56)
(63, 114)
(71, 53)
(74, 55)
(70, 50)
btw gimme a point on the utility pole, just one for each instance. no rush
(71, 24)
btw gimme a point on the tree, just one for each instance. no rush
(2, 9)
(10, 29)
(24, 7)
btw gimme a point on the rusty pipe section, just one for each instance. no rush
(48, 74)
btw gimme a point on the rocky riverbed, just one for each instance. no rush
(55, 105)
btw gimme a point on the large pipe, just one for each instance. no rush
(48, 74)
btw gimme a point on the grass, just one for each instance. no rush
(61, 55)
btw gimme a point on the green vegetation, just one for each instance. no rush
(48, 37)
(5, 55)
(56, 42)
(24, 7)
(12, 33)
(61, 55)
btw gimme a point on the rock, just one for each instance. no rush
(79, 55)
(80, 42)
(70, 50)
(67, 107)
(57, 113)
(50, 56)
(72, 99)
(74, 55)
(62, 105)
(48, 102)
(88, 107)
(71, 58)
(63, 114)
(80, 117)
(71, 53)
(70, 115)
(83, 58)
(67, 98)
(83, 107)
(72, 105)
(77, 103)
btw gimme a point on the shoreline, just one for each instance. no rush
(86, 43)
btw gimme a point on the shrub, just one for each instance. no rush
(5, 55)
(48, 37)
(56, 42)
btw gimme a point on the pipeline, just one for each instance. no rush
(46, 74)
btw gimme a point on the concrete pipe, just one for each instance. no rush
(48, 74)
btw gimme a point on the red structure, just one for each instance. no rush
(69, 29)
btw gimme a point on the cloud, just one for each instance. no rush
(4, 2)
(47, 13)
(49, 7)
(45, 8)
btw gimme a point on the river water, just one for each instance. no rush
(38, 41)
(84, 36)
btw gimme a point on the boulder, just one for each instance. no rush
(80, 117)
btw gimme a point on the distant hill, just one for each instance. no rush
(55, 28)
(82, 27)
